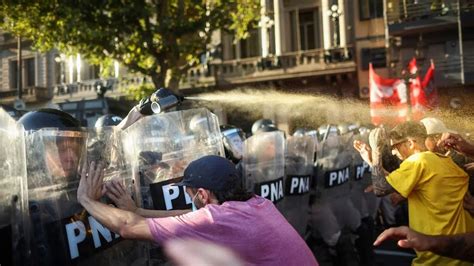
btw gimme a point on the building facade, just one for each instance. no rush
(313, 46)
(440, 30)
(321, 46)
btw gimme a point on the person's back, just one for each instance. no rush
(434, 186)
(254, 229)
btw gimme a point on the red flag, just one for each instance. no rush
(388, 101)
(429, 88)
(417, 94)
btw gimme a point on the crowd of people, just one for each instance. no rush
(265, 201)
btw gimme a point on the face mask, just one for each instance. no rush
(194, 208)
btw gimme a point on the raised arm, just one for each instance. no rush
(127, 224)
(117, 192)
(377, 140)
(456, 142)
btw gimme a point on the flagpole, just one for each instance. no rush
(461, 51)
(406, 77)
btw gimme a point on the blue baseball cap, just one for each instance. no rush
(210, 172)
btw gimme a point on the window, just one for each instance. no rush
(250, 47)
(13, 74)
(293, 32)
(309, 31)
(376, 56)
(369, 9)
(29, 72)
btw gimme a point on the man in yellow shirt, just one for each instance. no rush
(433, 184)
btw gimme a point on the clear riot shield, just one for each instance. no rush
(298, 173)
(105, 144)
(332, 169)
(62, 232)
(360, 180)
(12, 187)
(263, 165)
(160, 147)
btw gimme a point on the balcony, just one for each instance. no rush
(448, 69)
(257, 69)
(87, 89)
(408, 17)
(29, 95)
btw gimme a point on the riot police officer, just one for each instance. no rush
(62, 233)
(263, 125)
(233, 139)
(108, 120)
(332, 211)
(299, 160)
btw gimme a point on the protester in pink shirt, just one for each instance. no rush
(226, 215)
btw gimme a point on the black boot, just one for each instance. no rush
(365, 240)
(344, 254)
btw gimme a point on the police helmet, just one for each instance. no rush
(327, 130)
(301, 132)
(108, 120)
(263, 125)
(346, 128)
(48, 118)
(233, 139)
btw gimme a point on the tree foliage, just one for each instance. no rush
(158, 38)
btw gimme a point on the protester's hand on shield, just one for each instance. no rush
(364, 150)
(91, 185)
(117, 192)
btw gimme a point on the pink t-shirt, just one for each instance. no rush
(254, 229)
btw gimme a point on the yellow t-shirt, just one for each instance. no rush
(434, 186)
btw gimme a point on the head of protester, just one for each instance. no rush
(421, 178)
(407, 139)
(225, 215)
(434, 130)
(213, 180)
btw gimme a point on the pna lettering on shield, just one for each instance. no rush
(76, 233)
(272, 190)
(338, 177)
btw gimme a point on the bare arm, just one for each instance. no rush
(125, 223)
(456, 142)
(159, 214)
(380, 185)
(377, 140)
(117, 192)
(459, 246)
